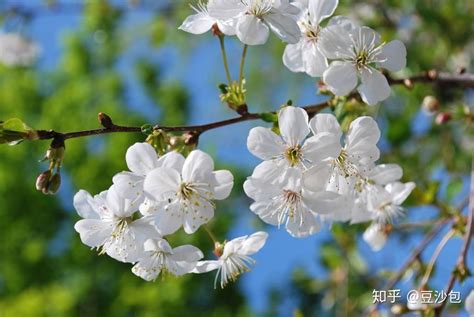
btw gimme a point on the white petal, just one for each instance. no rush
(119, 205)
(198, 23)
(94, 232)
(375, 237)
(386, 173)
(293, 123)
(335, 42)
(225, 9)
(172, 160)
(315, 63)
(264, 210)
(321, 147)
(324, 202)
(395, 54)
(284, 26)
(252, 31)
(206, 266)
(301, 229)
(400, 191)
(325, 122)
(469, 304)
(141, 158)
(197, 216)
(221, 183)
(293, 57)
(161, 183)
(321, 9)
(374, 87)
(197, 167)
(341, 78)
(187, 253)
(366, 37)
(317, 177)
(128, 185)
(254, 243)
(169, 219)
(264, 143)
(85, 205)
(363, 131)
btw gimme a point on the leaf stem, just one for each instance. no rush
(225, 60)
(242, 64)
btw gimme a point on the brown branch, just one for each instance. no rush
(461, 79)
(461, 266)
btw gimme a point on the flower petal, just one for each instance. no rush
(94, 232)
(301, 228)
(253, 243)
(321, 9)
(169, 219)
(341, 78)
(264, 143)
(252, 31)
(374, 87)
(85, 205)
(221, 183)
(386, 173)
(400, 191)
(173, 160)
(128, 185)
(315, 63)
(322, 146)
(335, 42)
(197, 167)
(293, 57)
(197, 23)
(206, 266)
(395, 54)
(284, 26)
(161, 183)
(293, 123)
(141, 158)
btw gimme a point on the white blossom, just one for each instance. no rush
(357, 52)
(184, 194)
(201, 22)
(234, 258)
(109, 224)
(294, 202)
(375, 236)
(255, 18)
(16, 50)
(292, 148)
(141, 159)
(158, 257)
(306, 56)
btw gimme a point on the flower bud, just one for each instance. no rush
(54, 184)
(443, 118)
(105, 120)
(42, 180)
(430, 104)
(218, 249)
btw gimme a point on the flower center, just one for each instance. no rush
(186, 191)
(258, 8)
(361, 59)
(311, 32)
(344, 165)
(294, 155)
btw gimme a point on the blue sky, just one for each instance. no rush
(200, 73)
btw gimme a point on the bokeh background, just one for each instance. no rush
(129, 60)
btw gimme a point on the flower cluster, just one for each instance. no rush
(343, 53)
(308, 177)
(159, 195)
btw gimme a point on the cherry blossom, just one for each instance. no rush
(184, 195)
(158, 257)
(375, 236)
(306, 56)
(201, 22)
(255, 18)
(357, 52)
(109, 224)
(234, 257)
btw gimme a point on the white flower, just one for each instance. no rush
(358, 52)
(306, 56)
(202, 21)
(255, 18)
(375, 236)
(291, 149)
(158, 257)
(184, 195)
(109, 225)
(141, 159)
(234, 258)
(383, 204)
(469, 304)
(15, 50)
(294, 202)
(353, 160)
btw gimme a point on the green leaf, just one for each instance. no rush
(13, 131)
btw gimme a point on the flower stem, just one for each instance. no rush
(242, 63)
(224, 58)
(435, 256)
(209, 232)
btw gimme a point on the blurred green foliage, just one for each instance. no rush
(46, 271)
